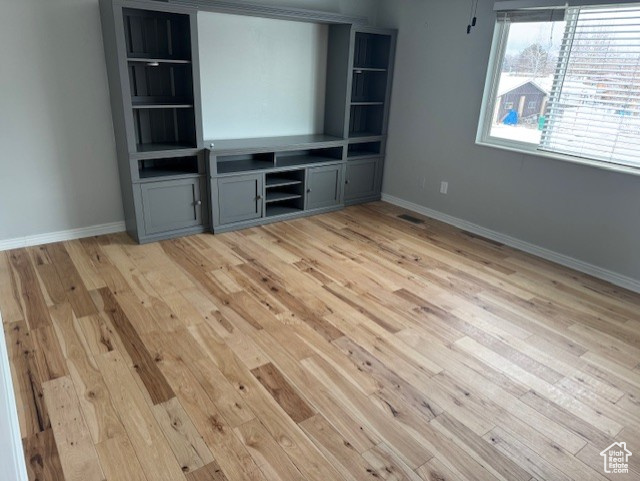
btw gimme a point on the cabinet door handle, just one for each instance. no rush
(258, 197)
(197, 202)
(308, 191)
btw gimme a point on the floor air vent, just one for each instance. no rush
(411, 219)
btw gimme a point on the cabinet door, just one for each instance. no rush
(171, 205)
(239, 198)
(362, 179)
(324, 186)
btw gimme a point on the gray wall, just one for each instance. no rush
(585, 213)
(57, 162)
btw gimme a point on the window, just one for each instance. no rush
(566, 83)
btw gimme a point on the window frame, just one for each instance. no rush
(489, 99)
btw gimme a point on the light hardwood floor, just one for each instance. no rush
(348, 346)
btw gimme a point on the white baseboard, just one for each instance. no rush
(64, 235)
(12, 463)
(595, 271)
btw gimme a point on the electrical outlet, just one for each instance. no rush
(444, 187)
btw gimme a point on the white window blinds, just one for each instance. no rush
(538, 15)
(594, 107)
(499, 5)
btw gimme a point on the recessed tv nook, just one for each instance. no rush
(232, 115)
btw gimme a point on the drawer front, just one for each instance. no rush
(362, 179)
(239, 198)
(324, 187)
(172, 205)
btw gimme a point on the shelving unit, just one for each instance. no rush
(156, 105)
(366, 120)
(173, 186)
(368, 115)
(280, 181)
(161, 105)
(372, 51)
(284, 193)
(275, 153)
(364, 149)
(156, 61)
(275, 210)
(162, 128)
(157, 34)
(160, 79)
(368, 69)
(311, 156)
(369, 84)
(227, 164)
(275, 196)
(168, 167)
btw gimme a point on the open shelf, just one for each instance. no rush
(310, 156)
(369, 86)
(276, 196)
(363, 136)
(162, 86)
(168, 167)
(227, 164)
(366, 120)
(364, 149)
(160, 79)
(273, 210)
(152, 61)
(284, 193)
(358, 70)
(275, 181)
(158, 174)
(275, 144)
(285, 179)
(162, 146)
(163, 105)
(371, 51)
(293, 160)
(247, 165)
(164, 128)
(157, 35)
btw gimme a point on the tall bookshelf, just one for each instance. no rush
(370, 74)
(152, 64)
(159, 67)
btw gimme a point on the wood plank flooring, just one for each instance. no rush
(348, 346)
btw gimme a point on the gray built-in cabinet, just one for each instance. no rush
(176, 183)
(324, 187)
(239, 198)
(173, 204)
(363, 179)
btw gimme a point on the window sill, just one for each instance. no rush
(620, 169)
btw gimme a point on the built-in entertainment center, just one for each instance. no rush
(229, 115)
